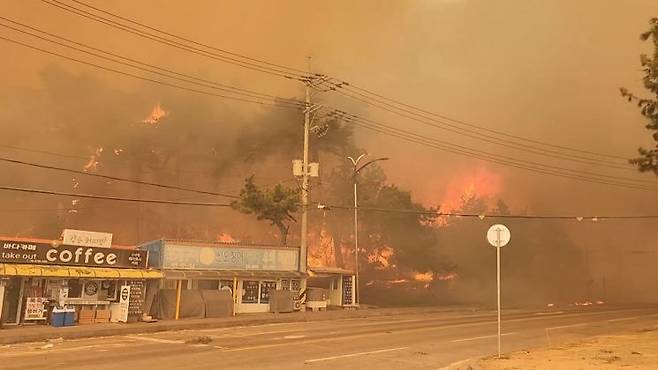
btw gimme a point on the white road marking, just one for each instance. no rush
(625, 318)
(570, 326)
(457, 364)
(478, 338)
(549, 313)
(156, 340)
(354, 354)
(294, 336)
(38, 352)
(243, 335)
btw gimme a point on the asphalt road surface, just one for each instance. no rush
(418, 341)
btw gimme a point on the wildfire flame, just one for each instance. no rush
(93, 162)
(226, 238)
(382, 257)
(427, 277)
(431, 276)
(157, 113)
(321, 249)
(480, 184)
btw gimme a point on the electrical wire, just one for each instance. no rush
(423, 114)
(141, 77)
(112, 198)
(151, 68)
(483, 216)
(175, 44)
(494, 159)
(497, 141)
(494, 155)
(333, 86)
(300, 72)
(115, 178)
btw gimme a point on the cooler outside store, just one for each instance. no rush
(94, 284)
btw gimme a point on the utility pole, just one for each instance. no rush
(303, 250)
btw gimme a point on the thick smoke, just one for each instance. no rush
(554, 79)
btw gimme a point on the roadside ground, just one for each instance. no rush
(37, 333)
(638, 350)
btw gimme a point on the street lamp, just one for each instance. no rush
(356, 168)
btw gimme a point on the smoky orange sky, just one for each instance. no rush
(546, 70)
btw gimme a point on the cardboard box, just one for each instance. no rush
(102, 316)
(86, 316)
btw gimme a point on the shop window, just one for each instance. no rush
(226, 285)
(208, 284)
(285, 284)
(265, 287)
(75, 289)
(295, 285)
(169, 284)
(108, 290)
(250, 291)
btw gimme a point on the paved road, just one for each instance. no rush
(419, 341)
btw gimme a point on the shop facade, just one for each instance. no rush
(243, 277)
(97, 284)
(337, 283)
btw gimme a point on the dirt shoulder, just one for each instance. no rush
(630, 351)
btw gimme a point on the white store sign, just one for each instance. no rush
(87, 238)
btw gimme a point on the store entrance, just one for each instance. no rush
(11, 303)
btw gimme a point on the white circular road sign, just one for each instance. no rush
(498, 235)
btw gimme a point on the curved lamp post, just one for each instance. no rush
(356, 168)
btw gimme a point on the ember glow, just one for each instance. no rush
(427, 277)
(94, 160)
(480, 183)
(226, 238)
(381, 257)
(157, 113)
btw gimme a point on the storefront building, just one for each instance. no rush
(338, 284)
(201, 277)
(99, 284)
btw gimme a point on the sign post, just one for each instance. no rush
(498, 236)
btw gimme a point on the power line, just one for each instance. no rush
(614, 177)
(652, 182)
(150, 67)
(300, 72)
(483, 216)
(410, 137)
(141, 77)
(341, 85)
(112, 198)
(346, 86)
(175, 44)
(115, 178)
(493, 140)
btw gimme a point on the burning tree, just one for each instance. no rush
(648, 160)
(276, 205)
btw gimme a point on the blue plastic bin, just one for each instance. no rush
(69, 317)
(57, 317)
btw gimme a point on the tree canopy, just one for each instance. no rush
(276, 205)
(648, 160)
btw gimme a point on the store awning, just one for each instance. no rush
(328, 271)
(9, 269)
(223, 274)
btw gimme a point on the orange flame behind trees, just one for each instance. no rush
(157, 113)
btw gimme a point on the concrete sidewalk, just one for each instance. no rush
(22, 334)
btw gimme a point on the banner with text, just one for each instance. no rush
(178, 256)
